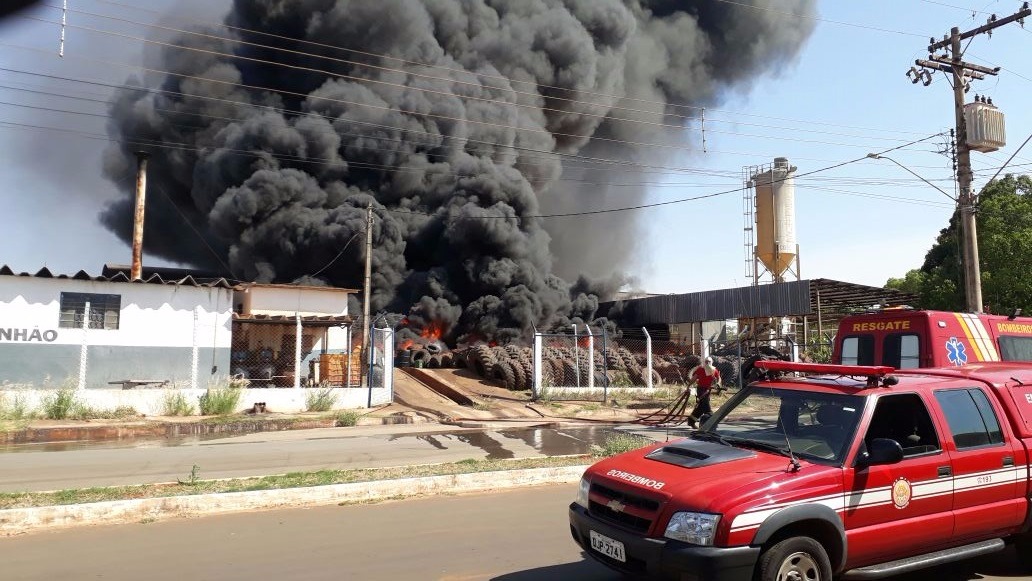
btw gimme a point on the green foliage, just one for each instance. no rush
(175, 403)
(346, 418)
(220, 401)
(60, 404)
(618, 443)
(85, 412)
(1004, 226)
(14, 407)
(320, 400)
(193, 478)
(820, 353)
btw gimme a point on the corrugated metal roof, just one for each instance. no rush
(120, 277)
(325, 320)
(787, 299)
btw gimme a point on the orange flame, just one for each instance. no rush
(407, 343)
(433, 331)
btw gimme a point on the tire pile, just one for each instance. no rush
(512, 366)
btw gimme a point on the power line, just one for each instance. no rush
(480, 75)
(392, 127)
(818, 19)
(165, 144)
(448, 94)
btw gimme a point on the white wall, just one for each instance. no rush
(150, 401)
(152, 315)
(284, 300)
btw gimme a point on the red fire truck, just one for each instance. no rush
(859, 472)
(905, 339)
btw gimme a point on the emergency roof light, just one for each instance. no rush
(873, 373)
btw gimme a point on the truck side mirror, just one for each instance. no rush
(881, 451)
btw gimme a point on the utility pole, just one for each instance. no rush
(368, 279)
(967, 200)
(136, 267)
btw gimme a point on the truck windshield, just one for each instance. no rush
(819, 426)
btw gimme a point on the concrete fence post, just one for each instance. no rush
(536, 389)
(83, 350)
(591, 358)
(297, 352)
(195, 359)
(648, 358)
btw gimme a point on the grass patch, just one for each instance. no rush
(60, 404)
(291, 480)
(85, 412)
(618, 443)
(220, 401)
(320, 400)
(346, 418)
(175, 403)
(13, 407)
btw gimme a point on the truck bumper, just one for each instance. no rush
(655, 558)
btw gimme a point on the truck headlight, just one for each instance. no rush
(582, 493)
(692, 527)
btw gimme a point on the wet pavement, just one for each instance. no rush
(54, 466)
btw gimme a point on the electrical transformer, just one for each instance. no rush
(986, 129)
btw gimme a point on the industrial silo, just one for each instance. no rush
(776, 246)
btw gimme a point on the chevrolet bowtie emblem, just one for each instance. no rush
(616, 506)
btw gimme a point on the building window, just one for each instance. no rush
(104, 310)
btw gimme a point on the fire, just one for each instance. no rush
(433, 331)
(407, 343)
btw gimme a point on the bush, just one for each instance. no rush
(85, 412)
(320, 400)
(220, 401)
(14, 407)
(346, 418)
(176, 404)
(60, 405)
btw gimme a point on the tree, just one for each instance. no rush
(1004, 216)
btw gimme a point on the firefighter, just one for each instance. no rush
(705, 377)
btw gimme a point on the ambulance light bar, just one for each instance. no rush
(872, 372)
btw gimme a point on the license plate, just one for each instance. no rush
(611, 548)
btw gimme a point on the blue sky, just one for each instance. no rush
(846, 96)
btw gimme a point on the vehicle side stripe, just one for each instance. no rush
(982, 335)
(882, 496)
(967, 333)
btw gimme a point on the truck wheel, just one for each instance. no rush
(795, 559)
(1023, 544)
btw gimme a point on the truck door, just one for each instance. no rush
(987, 462)
(905, 508)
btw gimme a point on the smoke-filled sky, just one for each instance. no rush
(455, 123)
(462, 120)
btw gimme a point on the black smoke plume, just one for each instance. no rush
(458, 121)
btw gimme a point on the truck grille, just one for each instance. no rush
(626, 509)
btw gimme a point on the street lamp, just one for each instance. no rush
(969, 241)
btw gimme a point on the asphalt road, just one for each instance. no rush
(62, 466)
(519, 535)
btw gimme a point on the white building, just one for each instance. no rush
(183, 333)
(156, 330)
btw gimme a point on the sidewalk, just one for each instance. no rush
(386, 420)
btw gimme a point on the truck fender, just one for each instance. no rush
(806, 512)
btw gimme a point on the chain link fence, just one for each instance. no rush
(293, 352)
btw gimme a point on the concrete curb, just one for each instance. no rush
(27, 520)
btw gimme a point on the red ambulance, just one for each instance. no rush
(906, 339)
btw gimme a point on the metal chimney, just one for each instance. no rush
(136, 271)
